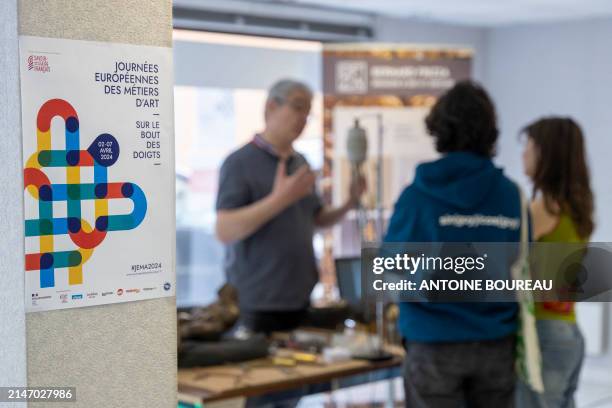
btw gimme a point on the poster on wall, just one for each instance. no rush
(98, 156)
(389, 89)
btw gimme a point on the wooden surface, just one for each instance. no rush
(258, 377)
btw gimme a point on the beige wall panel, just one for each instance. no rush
(120, 355)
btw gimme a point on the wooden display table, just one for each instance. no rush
(198, 386)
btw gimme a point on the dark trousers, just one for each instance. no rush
(476, 374)
(267, 322)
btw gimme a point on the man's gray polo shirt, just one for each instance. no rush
(274, 269)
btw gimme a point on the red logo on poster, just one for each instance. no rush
(38, 63)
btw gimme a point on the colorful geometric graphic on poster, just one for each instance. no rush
(389, 89)
(98, 158)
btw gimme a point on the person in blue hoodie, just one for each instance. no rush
(459, 354)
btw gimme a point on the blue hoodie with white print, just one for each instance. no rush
(465, 184)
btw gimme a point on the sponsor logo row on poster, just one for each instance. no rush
(67, 297)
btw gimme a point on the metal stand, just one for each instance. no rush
(379, 221)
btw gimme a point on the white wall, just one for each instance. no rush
(408, 31)
(12, 305)
(561, 69)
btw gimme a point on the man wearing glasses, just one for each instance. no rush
(267, 210)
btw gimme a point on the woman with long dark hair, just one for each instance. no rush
(562, 211)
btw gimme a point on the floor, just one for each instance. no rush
(595, 391)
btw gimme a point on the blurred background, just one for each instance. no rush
(535, 57)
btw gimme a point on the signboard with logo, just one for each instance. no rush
(98, 156)
(388, 89)
(392, 69)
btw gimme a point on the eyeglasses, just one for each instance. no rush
(297, 106)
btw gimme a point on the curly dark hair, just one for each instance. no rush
(464, 119)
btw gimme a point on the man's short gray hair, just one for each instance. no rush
(280, 91)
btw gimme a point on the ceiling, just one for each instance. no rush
(486, 13)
